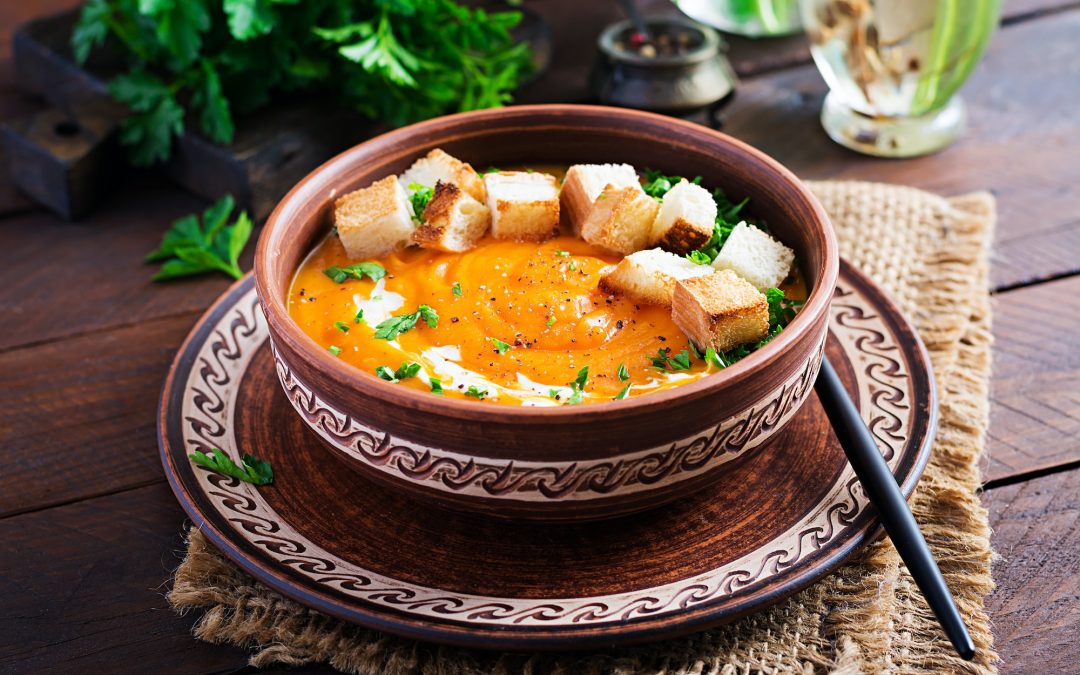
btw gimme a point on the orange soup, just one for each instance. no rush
(515, 323)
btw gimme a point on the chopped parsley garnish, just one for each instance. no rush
(622, 394)
(359, 318)
(713, 359)
(404, 372)
(577, 387)
(476, 392)
(456, 289)
(555, 393)
(664, 361)
(395, 325)
(657, 184)
(562, 254)
(623, 373)
(551, 321)
(341, 326)
(373, 271)
(572, 266)
(699, 257)
(334, 349)
(490, 169)
(420, 197)
(500, 346)
(436, 386)
(250, 470)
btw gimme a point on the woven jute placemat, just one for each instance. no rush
(931, 254)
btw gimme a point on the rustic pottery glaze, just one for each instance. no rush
(374, 555)
(571, 462)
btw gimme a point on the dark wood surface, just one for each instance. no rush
(89, 531)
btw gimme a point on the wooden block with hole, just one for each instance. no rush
(720, 310)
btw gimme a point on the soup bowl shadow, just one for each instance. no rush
(571, 462)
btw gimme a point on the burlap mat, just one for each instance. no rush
(930, 253)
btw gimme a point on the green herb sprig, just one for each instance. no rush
(250, 470)
(197, 63)
(191, 247)
(395, 325)
(420, 198)
(404, 372)
(371, 270)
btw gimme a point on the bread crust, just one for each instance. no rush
(683, 237)
(445, 226)
(620, 220)
(720, 310)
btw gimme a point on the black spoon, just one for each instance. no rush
(880, 486)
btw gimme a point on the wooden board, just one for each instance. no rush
(77, 415)
(1035, 608)
(82, 590)
(1035, 399)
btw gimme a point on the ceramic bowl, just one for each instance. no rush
(571, 462)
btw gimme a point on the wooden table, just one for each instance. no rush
(89, 530)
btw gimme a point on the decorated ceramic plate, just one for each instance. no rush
(776, 521)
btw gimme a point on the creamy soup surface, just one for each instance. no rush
(517, 322)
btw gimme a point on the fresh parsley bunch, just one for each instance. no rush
(206, 60)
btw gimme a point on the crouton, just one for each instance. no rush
(686, 218)
(650, 276)
(453, 220)
(375, 220)
(438, 166)
(755, 256)
(720, 310)
(584, 183)
(524, 205)
(620, 220)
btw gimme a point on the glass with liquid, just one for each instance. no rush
(893, 68)
(750, 18)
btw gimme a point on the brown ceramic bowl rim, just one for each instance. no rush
(368, 384)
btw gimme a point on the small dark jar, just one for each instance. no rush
(680, 70)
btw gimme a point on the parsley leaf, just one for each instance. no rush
(249, 19)
(657, 184)
(404, 372)
(699, 257)
(250, 470)
(663, 360)
(476, 392)
(551, 321)
(189, 247)
(334, 349)
(562, 254)
(622, 394)
(500, 346)
(359, 318)
(155, 116)
(577, 387)
(91, 29)
(436, 386)
(373, 271)
(395, 325)
(456, 289)
(341, 326)
(623, 373)
(420, 197)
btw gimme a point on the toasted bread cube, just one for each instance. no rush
(524, 205)
(620, 220)
(584, 183)
(438, 166)
(375, 220)
(686, 218)
(755, 256)
(721, 310)
(650, 276)
(453, 220)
